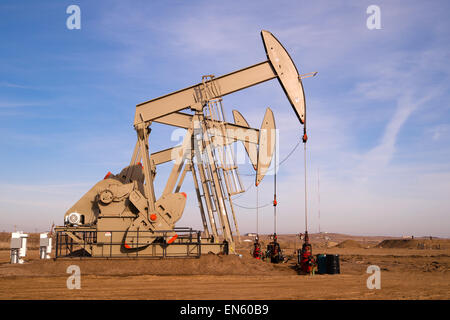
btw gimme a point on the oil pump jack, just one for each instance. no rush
(121, 216)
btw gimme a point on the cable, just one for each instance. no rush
(275, 192)
(304, 139)
(257, 213)
(253, 208)
(290, 153)
(318, 193)
(281, 162)
(306, 206)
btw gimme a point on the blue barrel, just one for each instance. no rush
(333, 264)
(321, 263)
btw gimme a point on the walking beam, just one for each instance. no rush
(279, 65)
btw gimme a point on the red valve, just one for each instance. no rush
(305, 138)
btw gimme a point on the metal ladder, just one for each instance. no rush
(224, 162)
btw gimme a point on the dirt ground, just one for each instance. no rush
(409, 270)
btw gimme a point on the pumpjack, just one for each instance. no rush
(121, 216)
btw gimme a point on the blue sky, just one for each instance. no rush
(378, 111)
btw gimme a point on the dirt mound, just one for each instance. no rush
(331, 244)
(398, 243)
(210, 264)
(415, 243)
(349, 244)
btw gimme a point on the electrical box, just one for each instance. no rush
(16, 243)
(43, 242)
(18, 246)
(45, 246)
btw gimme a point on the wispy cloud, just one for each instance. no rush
(20, 104)
(378, 157)
(13, 85)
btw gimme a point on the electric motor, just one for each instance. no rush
(73, 219)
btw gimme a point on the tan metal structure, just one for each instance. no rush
(118, 211)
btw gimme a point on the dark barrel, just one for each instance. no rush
(333, 264)
(321, 263)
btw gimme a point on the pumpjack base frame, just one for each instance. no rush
(90, 243)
